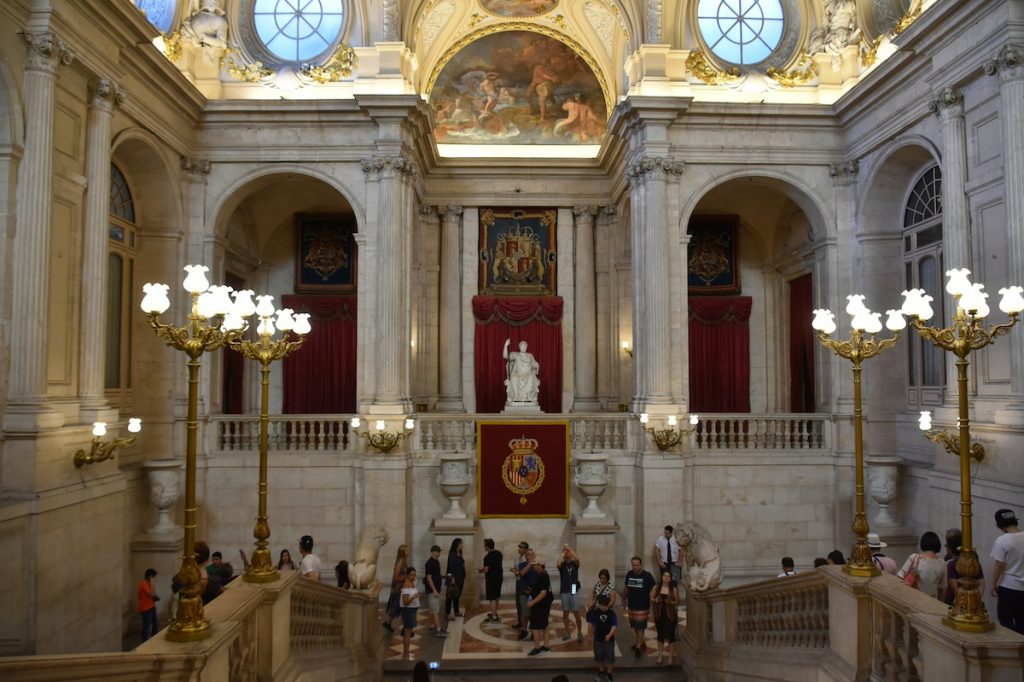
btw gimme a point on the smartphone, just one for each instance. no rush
(573, 588)
(434, 665)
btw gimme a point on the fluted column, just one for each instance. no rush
(652, 303)
(585, 311)
(103, 96)
(450, 311)
(392, 346)
(1009, 65)
(31, 267)
(948, 105)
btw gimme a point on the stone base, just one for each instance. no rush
(163, 554)
(521, 408)
(446, 530)
(594, 542)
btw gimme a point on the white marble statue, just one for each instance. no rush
(703, 565)
(363, 570)
(206, 25)
(522, 384)
(838, 28)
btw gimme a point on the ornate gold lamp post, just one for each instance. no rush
(857, 349)
(266, 350)
(670, 436)
(967, 333)
(201, 334)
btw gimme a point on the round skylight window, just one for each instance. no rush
(741, 31)
(298, 30)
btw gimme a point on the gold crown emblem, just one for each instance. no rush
(523, 444)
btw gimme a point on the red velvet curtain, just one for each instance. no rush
(536, 320)
(232, 383)
(801, 345)
(720, 354)
(320, 378)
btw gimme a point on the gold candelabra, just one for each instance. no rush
(201, 334)
(101, 450)
(265, 351)
(856, 349)
(380, 439)
(670, 436)
(967, 333)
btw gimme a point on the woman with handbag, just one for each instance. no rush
(456, 576)
(394, 607)
(926, 571)
(665, 605)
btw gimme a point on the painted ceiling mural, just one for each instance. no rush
(518, 8)
(518, 87)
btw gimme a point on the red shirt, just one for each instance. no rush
(145, 596)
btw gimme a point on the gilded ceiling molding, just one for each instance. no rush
(609, 99)
(338, 66)
(251, 72)
(172, 46)
(907, 19)
(803, 72)
(697, 64)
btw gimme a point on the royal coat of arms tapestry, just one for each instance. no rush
(522, 469)
(325, 259)
(712, 257)
(517, 251)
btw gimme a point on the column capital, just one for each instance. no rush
(948, 102)
(195, 167)
(610, 212)
(388, 166)
(451, 211)
(105, 94)
(584, 211)
(658, 167)
(46, 52)
(1008, 64)
(844, 173)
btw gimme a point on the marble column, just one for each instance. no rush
(450, 312)
(652, 301)
(586, 311)
(31, 268)
(1009, 66)
(392, 344)
(104, 95)
(948, 105)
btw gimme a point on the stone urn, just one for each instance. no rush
(163, 475)
(591, 477)
(454, 479)
(883, 472)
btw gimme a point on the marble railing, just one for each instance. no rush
(824, 625)
(287, 629)
(438, 432)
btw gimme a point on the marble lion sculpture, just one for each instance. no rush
(703, 566)
(363, 570)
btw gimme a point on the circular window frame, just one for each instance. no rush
(790, 42)
(253, 46)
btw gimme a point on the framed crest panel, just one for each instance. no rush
(518, 255)
(325, 258)
(712, 257)
(522, 469)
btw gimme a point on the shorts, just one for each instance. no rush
(492, 590)
(604, 652)
(434, 603)
(539, 615)
(409, 618)
(522, 600)
(639, 621)
(571, 602)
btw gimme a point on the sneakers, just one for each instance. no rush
(523, 634)
(536, 651)
(600, 677)
(545, 649)
(638, 651)
(442, 633)
(566, 637)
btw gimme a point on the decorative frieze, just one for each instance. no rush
(653, 35)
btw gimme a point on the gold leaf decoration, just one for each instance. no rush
(698, 64)
(803, 72)
(339, 66)
(869, 51)
(238, 69)
(906, 20)
(172, 46)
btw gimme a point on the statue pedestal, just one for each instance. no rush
(594, 542)
(446, 530)
(522, 408)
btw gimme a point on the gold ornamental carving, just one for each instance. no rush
(803, 72)
(239, 69)
(339, 66)
(697, 64)
(907, 19)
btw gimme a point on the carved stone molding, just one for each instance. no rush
(105, 94)
(195, 166)
(1008, 64)
(583, 211)
(844, 173)
(655, 167)
(652, 34)
(389, 21)
(451, 211)
(610, 212)
(947, 102)
(388, 166)
(46, 52)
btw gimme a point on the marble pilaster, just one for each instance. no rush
(450, 312)
(27, 391)
(948, 105)
(586, 311)
(104, 95)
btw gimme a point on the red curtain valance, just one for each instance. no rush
(320, 377)
(719, 310)
(322, 308)
(517, 311)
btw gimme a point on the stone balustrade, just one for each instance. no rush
(762, 432)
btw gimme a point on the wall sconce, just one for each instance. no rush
(947, 440)
(380, 439)
(627, 349)
(670, 436)
(103, 451)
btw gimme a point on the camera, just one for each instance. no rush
(433, 665)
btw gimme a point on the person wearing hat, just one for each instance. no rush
(1008, 572)
(884, 563)
(310, 564)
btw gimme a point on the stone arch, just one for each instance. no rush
(155, 189)
(883, 195)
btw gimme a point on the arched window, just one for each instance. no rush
(922, 269)
(298, 30)
(741, 31)
(160, 13)
(120, 285)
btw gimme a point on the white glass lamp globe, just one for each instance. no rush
(925, 422)
(134, 425)
(958, 281)
(99, 429)
(195, 281)
(824, 321)
(894, 321)
(265, 305)
(302, 326)
(1012, 301)
(155, 299)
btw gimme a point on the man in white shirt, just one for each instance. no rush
(1008, 573)
(788, 567)
(667, 554)
(310, 564)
